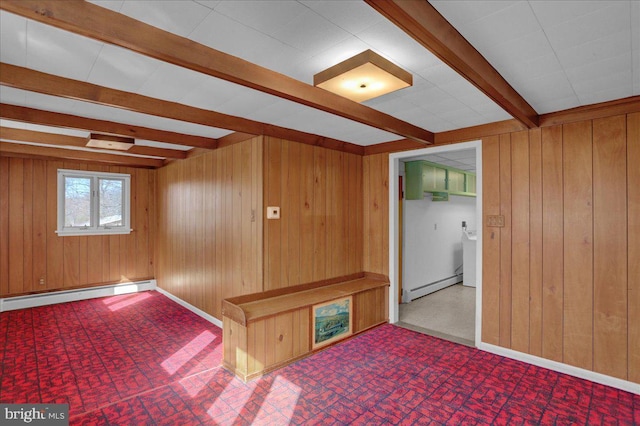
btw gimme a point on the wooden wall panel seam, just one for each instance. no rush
(520, 272)
(16, 225)
(491, 242)
(633, 253)
(506, 239)
(535, 253)
(4, 225)
(578, 245)
(610, 246)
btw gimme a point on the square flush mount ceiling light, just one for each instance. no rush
(119, 143)
(364, 76)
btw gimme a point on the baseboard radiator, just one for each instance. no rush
(42, 299)
(411, 294)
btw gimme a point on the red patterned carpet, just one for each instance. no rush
(143, 359)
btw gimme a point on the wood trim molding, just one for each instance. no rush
(605, 109)
(449, 137)
(393, 146)
(424, 24)
(223, 142)
(588, 112)
(8, 134)
(102, 24)
(56, 119)
(36, 81)
(477, 132)
(23, 150)
(234, 138)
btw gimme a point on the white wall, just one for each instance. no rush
(433, 238)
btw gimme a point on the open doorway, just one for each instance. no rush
(432, 266)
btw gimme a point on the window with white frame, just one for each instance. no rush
(93, 203)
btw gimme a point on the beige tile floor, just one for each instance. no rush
(448, 313)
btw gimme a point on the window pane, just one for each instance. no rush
(111, 202)
(77, 202)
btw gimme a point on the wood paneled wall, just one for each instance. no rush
(560, 279)
(30, 250)
(211, 219)
(209, 244)
(376, 213)
(633, 255)
(319, 233)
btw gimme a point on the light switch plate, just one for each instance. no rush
(273, 212)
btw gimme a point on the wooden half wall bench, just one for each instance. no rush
(265, 331)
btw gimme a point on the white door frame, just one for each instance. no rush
(394, 172)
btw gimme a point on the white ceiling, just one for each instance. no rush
(556, 54)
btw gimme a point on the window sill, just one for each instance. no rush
(93, 232)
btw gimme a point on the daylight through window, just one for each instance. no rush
(93, 203)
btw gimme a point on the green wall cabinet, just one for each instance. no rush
(470, 183)
(423, 176)
(455, 181)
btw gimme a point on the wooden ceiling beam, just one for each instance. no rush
(30, 151)
(102, 24)
(48, 84)
(8, 134)
(424, 24)
(56, 119)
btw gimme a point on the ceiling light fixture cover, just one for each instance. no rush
(119, 143)
(364, 76)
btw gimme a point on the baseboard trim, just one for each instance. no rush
(52, 298)
(415, 293)
(602, 379)
(190, 307)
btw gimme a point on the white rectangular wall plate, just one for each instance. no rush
(273, 212)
